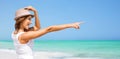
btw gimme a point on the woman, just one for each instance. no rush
(23, 34)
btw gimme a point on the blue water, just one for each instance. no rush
(103, 49)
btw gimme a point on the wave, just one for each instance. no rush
(9, 53)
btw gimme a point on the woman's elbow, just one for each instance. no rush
(50, 29)
(36, 28)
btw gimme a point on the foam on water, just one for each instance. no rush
(48, 55)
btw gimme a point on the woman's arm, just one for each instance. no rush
(37, 22)
(25, 37)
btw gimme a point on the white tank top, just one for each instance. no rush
(24, 51)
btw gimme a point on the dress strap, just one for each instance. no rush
(19, 34)
(16, 36)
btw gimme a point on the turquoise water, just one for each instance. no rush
(102, 49)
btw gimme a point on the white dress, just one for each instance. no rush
(23, 51)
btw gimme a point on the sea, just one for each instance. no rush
(72, 49)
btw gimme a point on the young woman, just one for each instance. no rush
(23, 34)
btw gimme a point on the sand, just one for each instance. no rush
(10, 54)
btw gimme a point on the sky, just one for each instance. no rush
(101, 17)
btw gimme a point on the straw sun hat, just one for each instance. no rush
(22, 12)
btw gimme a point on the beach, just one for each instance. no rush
(7, 54)
(66, 50)
(10, 54)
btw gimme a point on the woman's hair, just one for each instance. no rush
(18, 22)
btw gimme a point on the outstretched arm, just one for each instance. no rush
(37, 22)
(64, 26)
(34, 34)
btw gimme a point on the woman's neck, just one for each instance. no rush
(19, 30)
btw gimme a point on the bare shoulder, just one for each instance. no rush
(22, 41)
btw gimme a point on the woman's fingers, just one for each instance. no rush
(30, 8)
(77, 25)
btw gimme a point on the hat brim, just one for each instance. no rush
(23, 16)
